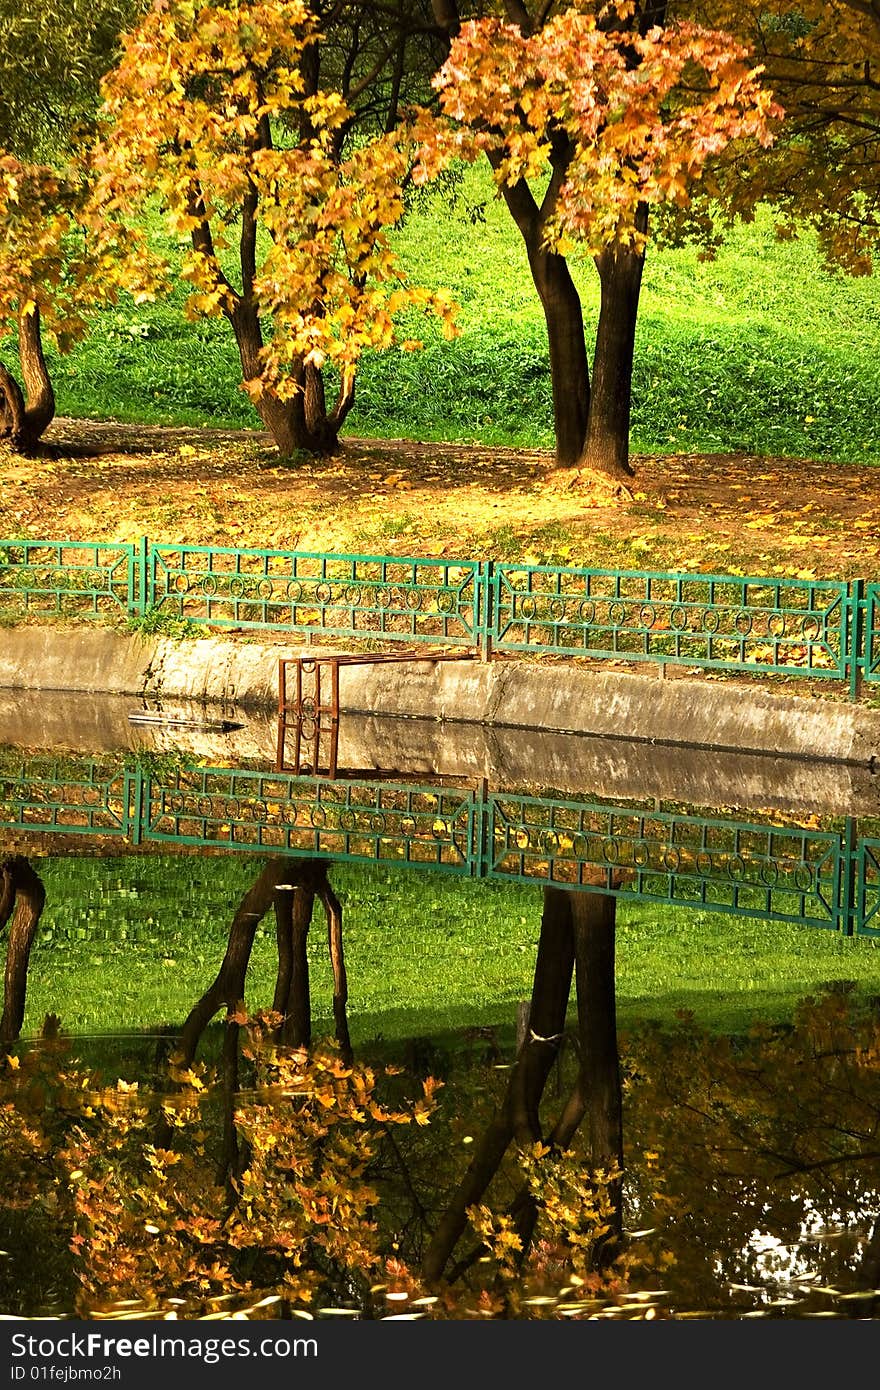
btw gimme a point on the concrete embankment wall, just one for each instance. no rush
(507, 693)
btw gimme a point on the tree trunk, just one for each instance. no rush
(563, 314)
(594, 917)
(300, 424)
(295, 911)
(29, 897)
(333, 912)
(518, 1115)
(228, 987)
(606, 452)
(597, 1090)
(25, 416)
(569, 369)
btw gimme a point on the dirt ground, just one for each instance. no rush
(714, 512)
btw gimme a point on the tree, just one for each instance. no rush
(823, 61)
(54, 265)
(51, 60)
(216, 111)
(590, 119)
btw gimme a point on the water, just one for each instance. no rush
(267, 1173)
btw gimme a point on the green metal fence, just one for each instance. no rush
(781, 873)
(822, 629)
(67, 579)
(89, 797)
(775, 870)
(429, 827)
(715, 621)
(363, 596)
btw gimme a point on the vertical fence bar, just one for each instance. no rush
(848, 878)
(858, 638)
(142, 563)
(483, 846)
(485, 608)
(135, 805)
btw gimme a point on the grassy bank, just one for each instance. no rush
(762, 351)
(130, 944)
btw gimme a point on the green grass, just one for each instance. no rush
(762, 350)
(130, 943)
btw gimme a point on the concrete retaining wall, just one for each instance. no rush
(518, 694)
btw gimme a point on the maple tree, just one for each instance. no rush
(56, 262)
(822, 60)
(217, 112)
(589, 119)
(51, 270)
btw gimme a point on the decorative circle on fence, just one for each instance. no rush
(710, 619)
(587, 612)
(528, 606)
(617, 614)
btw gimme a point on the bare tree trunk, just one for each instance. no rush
(563, 315)
(228, 987)
(333, 912)
(29, 897)
(295, 909)
(518, 1114)
(607, 448)
(25, 416)
(300, 424)
(230, 1165)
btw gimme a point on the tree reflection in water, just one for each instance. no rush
(290, 1180)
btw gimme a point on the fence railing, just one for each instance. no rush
(772, 869)
(822, 629)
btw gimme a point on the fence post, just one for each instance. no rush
(143, 548)
(849, 880)
(857, 658)
(487, 578)
(483, 856)
(135, 792)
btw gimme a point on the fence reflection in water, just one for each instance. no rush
(772, 867)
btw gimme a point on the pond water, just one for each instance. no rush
(209, 1107)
